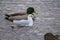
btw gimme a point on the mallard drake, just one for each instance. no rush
(20, 15)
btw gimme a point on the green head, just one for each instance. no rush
(30, 10)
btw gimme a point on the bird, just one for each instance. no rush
(20, 15)
(28, 22)
(50, 36)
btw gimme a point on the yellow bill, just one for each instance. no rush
(35, 12)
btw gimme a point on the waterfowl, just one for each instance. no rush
(50, 36)
(28, 22)
(20, 15)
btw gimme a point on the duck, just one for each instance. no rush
(28, 22)
(50, 36)
(20, 15)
